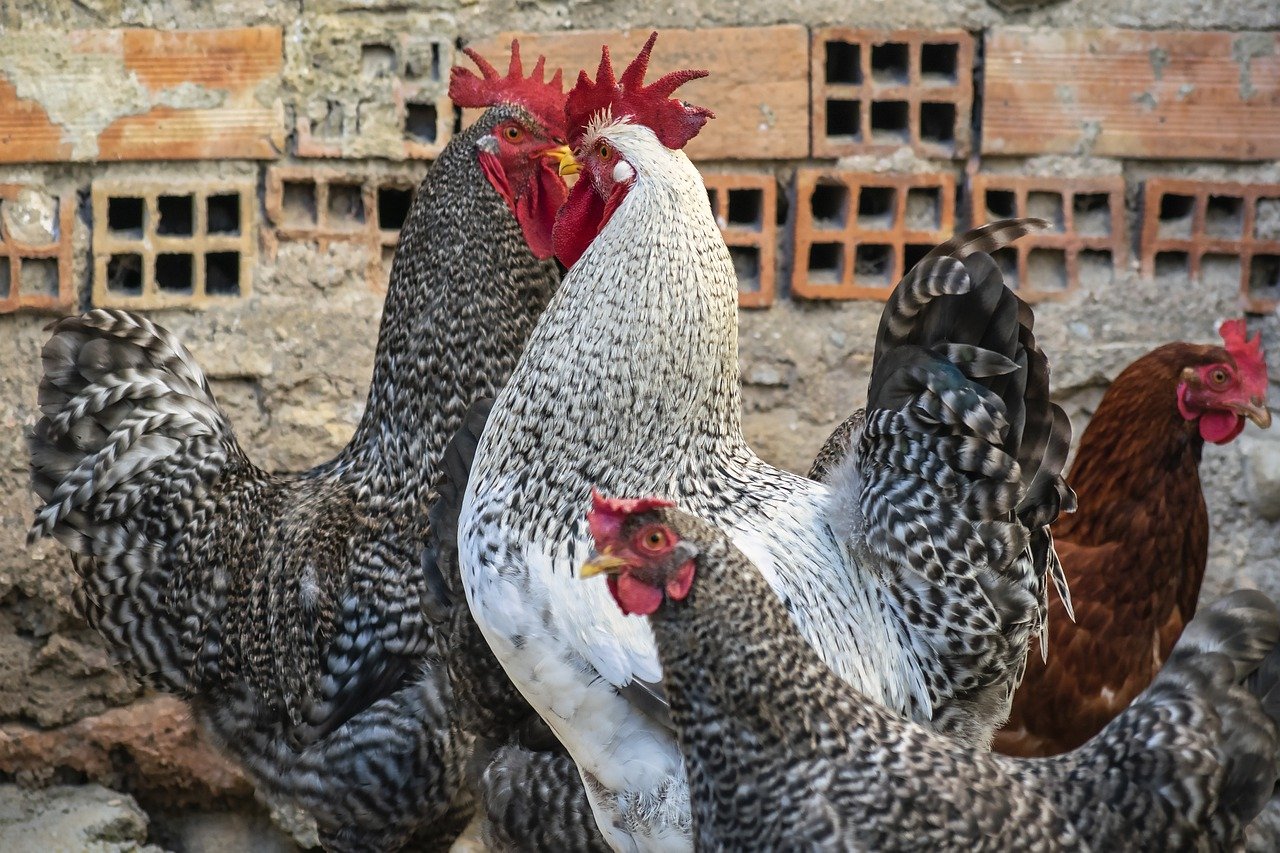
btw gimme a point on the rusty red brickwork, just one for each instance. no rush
(856, 233)
(324, 205)
(877, 90)
(172, 244)
(35, 258)
(746, 209)
(1086, 229)
(1204, 227)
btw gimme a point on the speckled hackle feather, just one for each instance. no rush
(673, 121)
(544, 99)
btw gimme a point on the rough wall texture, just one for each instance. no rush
(291, 362)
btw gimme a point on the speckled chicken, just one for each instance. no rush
(288, 609)
(783, 754)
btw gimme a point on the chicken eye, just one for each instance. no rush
(512, 133)
(604, 152)
(654, 539)
(1218, 377)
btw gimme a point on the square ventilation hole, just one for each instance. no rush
(713, 196)
(125, 215)
(1175, 215)
(1264, 277)
(1047, 206)
(393, 207)
(36, 276)
(420, 122)
(1266, 221)
(912, 254)
(346, 206)
(890, 121)
(746, 265)
(124, 274)
(6, 286)
(830, 205)
(223, 213)
(924, 209)
(875, 208)
(844, 118)
(222, 273)
(1092, 214)
(1001, 204)
(177, 215)
(890, 63)
(938, 123)
(1095, 265)
(844, 63)
(939, 63)
(175, 273)
(1222, 271)
(826, 263)
(873, 264)
(1007, 261)
(746, 208)
(1172, 264)
(298, 203)
(330, 127)
(1047, 269)
(1224, 217)
(377, 60)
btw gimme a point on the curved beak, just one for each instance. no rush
(1255, 410)
(565, 164)
(601, 563)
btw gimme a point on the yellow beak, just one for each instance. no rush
(601, 564)
(1257, 412)
(564, 157)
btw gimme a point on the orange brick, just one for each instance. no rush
(1087, 223)
(745, 206)
(1189, 225)
(857, 233)
(1132, 93)
(877, 90)
(758, 88)
(36, 273)
(233, 67)
(166, 244)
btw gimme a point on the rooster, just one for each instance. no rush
(288, 609)
(919, 578)
(1134, 552)
(783, 754)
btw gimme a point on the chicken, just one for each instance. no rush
(784, 754)
(919, 579)
(1134, 552)
(287, 609)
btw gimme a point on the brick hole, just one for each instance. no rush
(1264, 277)
(223, 213)
(873, 264)
(890, 121)
(924, 209)
(124, 274)
(330, 127)
(346, 206)
(1007, 261)
(746, 265)
(299, 203)
(826, 263)
(125, 215)
(393, 207)
(890, 63)
(37, 276)
(420, 122)
(5, 275)
(939, 63)
(830, 205)
(435, 61)
(875, 208)
(712, 197)
(1266, 221)
(377, 60)
(1092, 213)
(177, 215)
(1172, 264)
(912, 254)
(222, 273)
(844, 118)
(1175, 215)
(844, 63)
(1095, 265)
(1220, 270)
(746, 208)
(175, 273)
(938, 123)
(1001, 204)
(1224, 216)
(1047, 269)
(1047, 206)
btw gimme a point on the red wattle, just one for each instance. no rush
(634, 597)
(1220, 427)
(578, 222)
(536, 210)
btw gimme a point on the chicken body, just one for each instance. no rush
(288, 610)
(630, 383)
(782, 754)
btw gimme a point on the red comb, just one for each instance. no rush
(541, 97)
(1247, 353)
(606, 515)
(672, 120)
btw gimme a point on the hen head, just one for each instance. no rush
(620, 131)
(1219, 394)
(523, 151)
(640, 549)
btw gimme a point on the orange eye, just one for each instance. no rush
(654, 539)
(604, 152)
(513, 133)
(1218, 377)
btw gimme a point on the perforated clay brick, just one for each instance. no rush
(35, 249)
(857, 233)
(1086, 228)
(746, 209)
(1211, 229)
(877, 90)
(172, 244)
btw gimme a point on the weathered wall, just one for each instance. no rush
(290, 363)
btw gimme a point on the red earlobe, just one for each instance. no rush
(680, 583)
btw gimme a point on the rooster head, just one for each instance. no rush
(524, 151)
(1221, 392)
(638, 547)
(613, 124)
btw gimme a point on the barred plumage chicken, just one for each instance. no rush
(919, 576)
(783, 754)
(288, 610)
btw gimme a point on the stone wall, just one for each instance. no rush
(289, 347)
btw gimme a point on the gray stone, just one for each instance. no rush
(86, 818)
